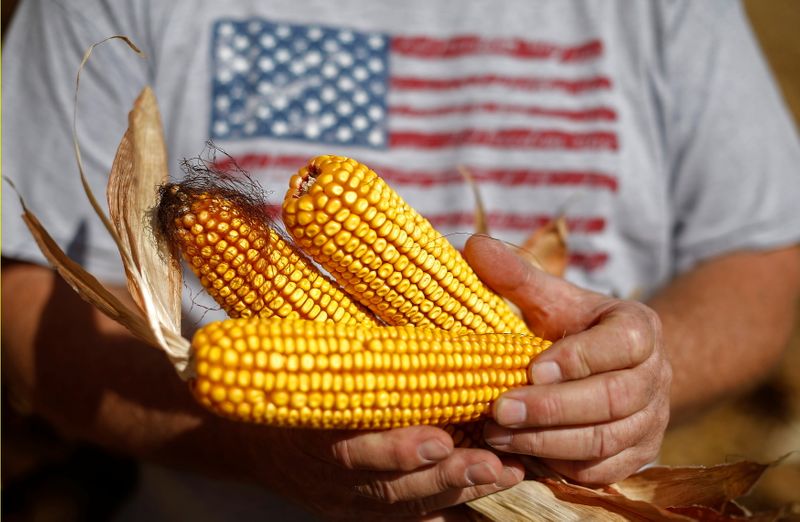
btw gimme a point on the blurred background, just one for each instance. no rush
(46, 478)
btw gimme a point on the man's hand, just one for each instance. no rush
(402, 473)
(599, 404)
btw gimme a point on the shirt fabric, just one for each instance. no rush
(653, 127)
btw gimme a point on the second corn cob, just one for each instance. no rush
(385, 254)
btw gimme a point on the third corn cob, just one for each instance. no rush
(385, 254)
(309, 374)
(243, 263)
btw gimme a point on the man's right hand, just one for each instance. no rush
(411, 473)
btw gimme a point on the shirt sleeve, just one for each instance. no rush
(735, 155)
(41, 58)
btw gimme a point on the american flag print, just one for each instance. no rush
(533, 121)
(298, 82)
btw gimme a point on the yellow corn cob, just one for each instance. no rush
(385, 254)
(244, 264)
(298, 373)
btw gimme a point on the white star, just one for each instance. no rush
(375, 41)
(344, 108)
(263, 112)
(297, 68)
(314, 33)
(220, 128)
(346, 83)
(375, 112)
(345, 59)
(267, 41)
(360, 97)
(313, 105)
(327, 120)
(344, 133)
(329, 70)
(265, 63)
(280, 128)
(313, 58)
(225, 53)
(360, 73)
(312, 129)
(226, 29)
(283, 55)
(375, 137)
(241, 42)
(280, 102)
(330, 46)
(223, 103)
(328, 94)
(360, 122)
(240, 64)
(283, 31)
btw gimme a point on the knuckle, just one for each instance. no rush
(531, 443)
(379, 490)
(342, 454)
(618, 395)
(643, 333)
(546, 410)
(576, 362)
(602, 442)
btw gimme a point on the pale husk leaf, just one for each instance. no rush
(139, 167)
(158, 325)
(546, 248)
(481, 226)
(532, 500)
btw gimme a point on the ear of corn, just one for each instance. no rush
(247, 267)
(298, 373)
(385, 254)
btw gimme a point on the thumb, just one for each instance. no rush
(550, 305)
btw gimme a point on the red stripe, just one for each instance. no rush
(468, 45)
(507, 138)
(591, 114)
(505, 177)
(501, 221)
(588, 260)
(399, 177)
(256, 161)
(516, 221)
(512, 82)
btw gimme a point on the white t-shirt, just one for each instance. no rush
(654, 127)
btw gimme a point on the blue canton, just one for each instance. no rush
(297, 82)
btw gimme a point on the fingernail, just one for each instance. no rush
(510, 412)
(547, 372)
(497, 436)
(509, 477)
(433, 450)
(481, 473)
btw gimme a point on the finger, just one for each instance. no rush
(550, 304)
(625, 336)
(586, 442)
(598, 398)
(401, 449)
(465, 468)
(512, 475)
(610, 470)
(436, 506)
